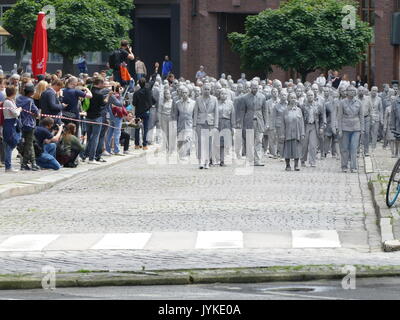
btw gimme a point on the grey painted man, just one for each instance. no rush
(366, 105)
(255, 120)
(280, 108)
(312, 128)
(205, 120)
(165, 118)
(376, 115)
(270, 139)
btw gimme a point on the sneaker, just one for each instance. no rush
(120, 154)
(207, 166)
(35, 167)
(303, 164)
(137, 147)
(101, 160)
(106, 154)
(12, 170)
(288, 169)
(222, 164)
(259, 165)
(93, 162)
(25, 167)
(344, 170)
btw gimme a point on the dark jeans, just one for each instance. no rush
(2, 150)
(125, 140)
(68, 161)
(47, 160)
(28, 153)
(100, 145)
(93, 134)
(145, 119)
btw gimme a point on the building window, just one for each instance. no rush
(367, 68)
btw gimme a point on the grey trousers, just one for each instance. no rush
(374, 133)
(279, 142)
(270, 142)
(257, 155)
(366, 135)
(204, 143)
(152, 124)
(310, 144)
(331, 144)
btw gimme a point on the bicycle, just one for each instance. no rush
(393, 188)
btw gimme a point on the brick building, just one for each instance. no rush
(204, 25)
(168, 27)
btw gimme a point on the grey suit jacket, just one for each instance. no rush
(206, 113)
(255, 108)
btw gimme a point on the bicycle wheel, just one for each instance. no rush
(393, 189)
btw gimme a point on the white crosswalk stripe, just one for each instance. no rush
(27, 242)
(211, 240)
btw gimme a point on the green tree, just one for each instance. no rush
(303, 35)
(81, 26)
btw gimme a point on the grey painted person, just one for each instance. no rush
(205, 120)
(350, 128)
(270, 138)
(293, 133)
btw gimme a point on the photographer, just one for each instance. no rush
(46, 144)
(71, 95)
(120, 58)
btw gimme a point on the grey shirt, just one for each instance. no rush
(350, 115)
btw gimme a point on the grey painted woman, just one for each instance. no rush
(292, 133)
(226, 124)
(350, 128)
(183, 113)
(366, 105)
(165, 119)
(331, 138)
(388, 134)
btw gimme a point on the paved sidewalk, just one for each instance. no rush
(29, 182)
(383, 163)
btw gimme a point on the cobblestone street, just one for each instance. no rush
(173, 204)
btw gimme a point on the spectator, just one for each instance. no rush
(336, 80)
(129, 122)
(82, 65)
(11, 129)
(71, 97)
(40, 88)
(49, 100)
(142, 101)
(28, 120)
(200, 75)
(120, 57)
(70, 147)
(59, 74)
(140, 69)
(345, 83)
(117, 112)
(46, 144)
(167, 67)
(94, 114)
(359, 82)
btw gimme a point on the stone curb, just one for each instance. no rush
(46, 182)
(187, 277)
(384, 214)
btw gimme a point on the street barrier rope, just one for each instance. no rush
(63, 118)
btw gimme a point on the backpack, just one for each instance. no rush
(113, 59)
(1, 114)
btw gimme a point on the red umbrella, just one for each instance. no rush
(39, 46)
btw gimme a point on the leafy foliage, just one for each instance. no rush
(304, 35)
(81, 25)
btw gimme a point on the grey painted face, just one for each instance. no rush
(292, 99)
(274, 93)
(299, 92)
(185, 94)
(284, 97)
(327, 92)
(360, 92)
(310, 96)
(351, 92)
(374, 92)
(223, 95)
(254, 88)
(206, 90)
(167, 95)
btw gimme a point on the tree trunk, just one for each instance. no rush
(68, 65)
(303, 76)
